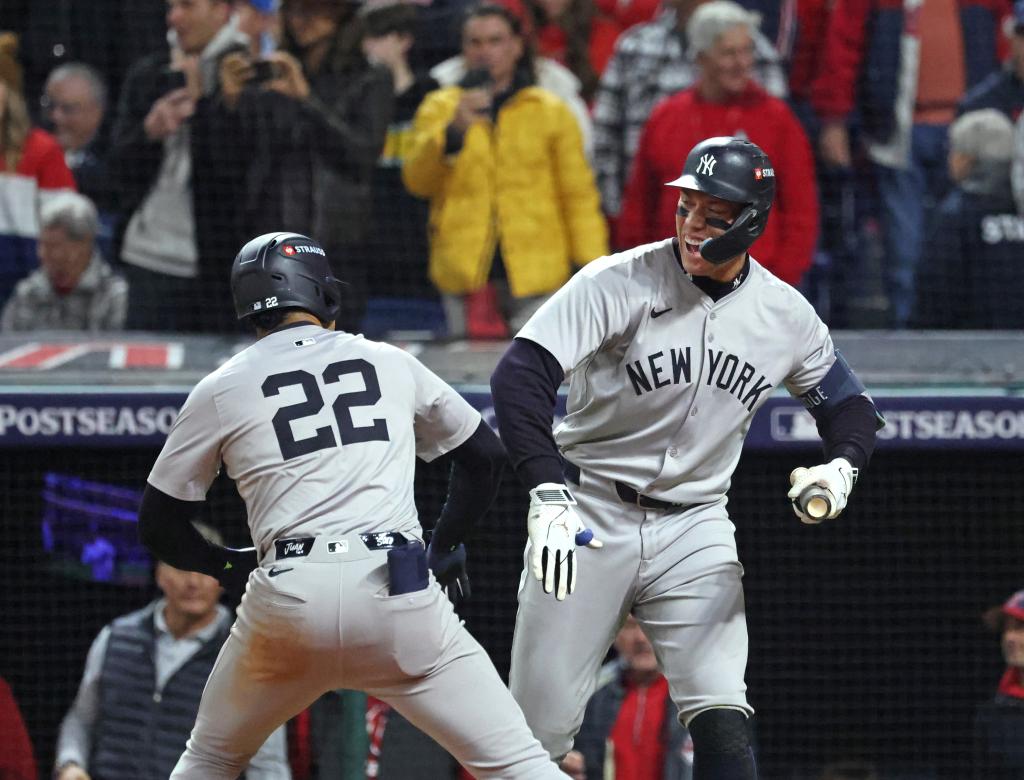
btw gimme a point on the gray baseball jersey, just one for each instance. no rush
(663, 383)
(320, 431)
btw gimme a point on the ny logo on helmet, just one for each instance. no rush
(707, 164)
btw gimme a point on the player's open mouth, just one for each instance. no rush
(692, 248)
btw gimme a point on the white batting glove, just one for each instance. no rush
(555, 529)
(837, 478)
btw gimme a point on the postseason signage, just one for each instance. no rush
(141, 417)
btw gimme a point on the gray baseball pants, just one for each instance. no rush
(326, 621)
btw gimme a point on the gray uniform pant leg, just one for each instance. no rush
(559, 646)
(463, 704)
(690, 606)
(319, 626)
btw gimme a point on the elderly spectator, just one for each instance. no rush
(1004, 88)
(902, 68)
(74, 289)
(974, 278)
(74, 101)
(999, 723)
(512, 198)
(34, 169)
(630, 728)
(143, 679)
(313, 133)
(726, 101)
(178, 172)
(651, 62)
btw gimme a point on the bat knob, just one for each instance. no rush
(815, 501)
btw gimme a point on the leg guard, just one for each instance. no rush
(721, 746)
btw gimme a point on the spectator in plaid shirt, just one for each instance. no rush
(650, 63)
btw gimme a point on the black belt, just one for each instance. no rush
(301, 546)
(630, 496)
(626, 493)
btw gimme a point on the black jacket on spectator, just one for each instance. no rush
(311, 165)
(218, 166)
(397, 246)
(999, 739)
(1001, 90)
(971, 274)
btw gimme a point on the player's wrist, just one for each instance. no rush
(554, 493)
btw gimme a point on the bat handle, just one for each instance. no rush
(815, 501)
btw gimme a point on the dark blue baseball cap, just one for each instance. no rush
(264, 6)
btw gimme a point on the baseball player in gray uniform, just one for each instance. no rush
(670, 349)
(320, 430)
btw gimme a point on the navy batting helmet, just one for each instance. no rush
(283, 271)
(735, 170)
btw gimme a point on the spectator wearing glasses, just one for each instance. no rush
(74, 102)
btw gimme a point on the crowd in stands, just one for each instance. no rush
(459, 161)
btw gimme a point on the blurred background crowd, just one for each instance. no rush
(458, 161)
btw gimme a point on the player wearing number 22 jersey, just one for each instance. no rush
(320, 431)
(669, 349)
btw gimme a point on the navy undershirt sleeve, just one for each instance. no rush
(165, 528)
(524, 387)
(848, 430)
(477, 465)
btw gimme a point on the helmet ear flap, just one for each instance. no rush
(737, 239)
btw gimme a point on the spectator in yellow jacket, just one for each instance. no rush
(513, 202)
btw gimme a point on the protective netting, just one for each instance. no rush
(866, 638)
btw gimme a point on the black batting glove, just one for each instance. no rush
(450, 570)
(238, 564)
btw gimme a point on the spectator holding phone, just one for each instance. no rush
(175, 168)
(312, 118)
(513, 204)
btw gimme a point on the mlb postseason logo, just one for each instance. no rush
(791, 423)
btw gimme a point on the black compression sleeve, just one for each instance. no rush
(524, 387)
(848, 431)
(473, 484)
(165, 527)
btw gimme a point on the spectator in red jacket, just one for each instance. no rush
(17, 759)
(725, 101)
(903, 67)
